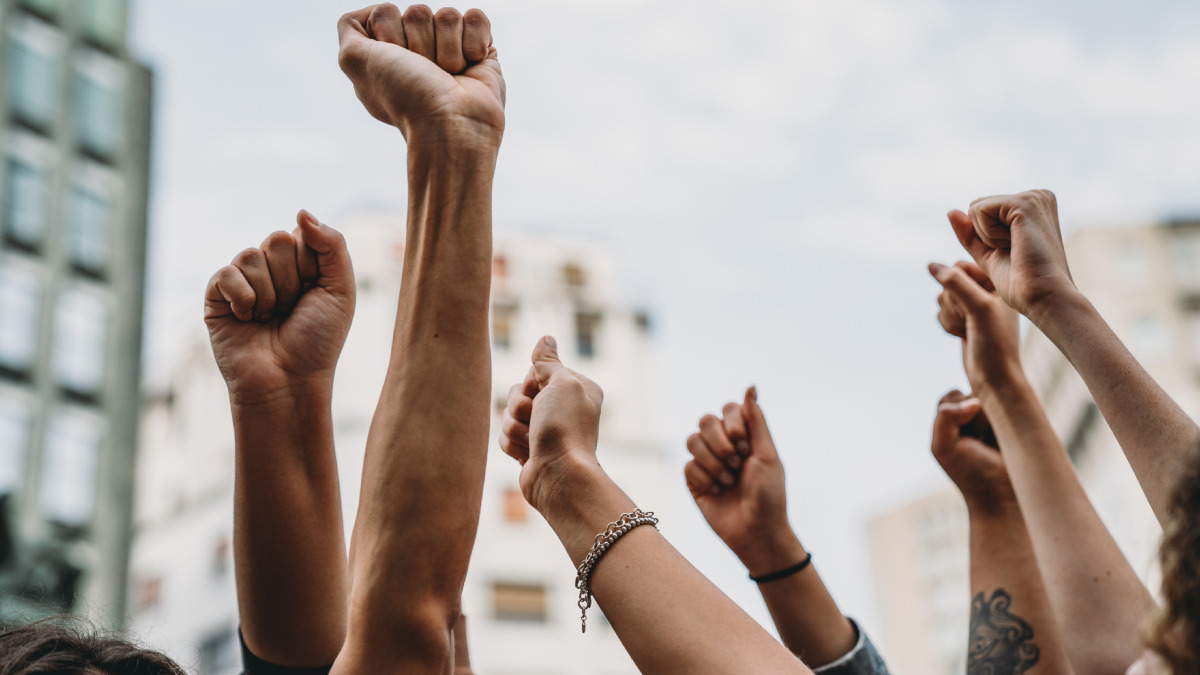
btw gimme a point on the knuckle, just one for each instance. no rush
(420, 13)
(351, 58)
(385, 12)
(279, 241)
(475, 18)
(708, 421)
(251, 257)
(447, 17)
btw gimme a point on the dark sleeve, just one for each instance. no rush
(252, 665)
(864, 659)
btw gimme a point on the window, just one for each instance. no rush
(26, 203)
(502, 325)
(219, 651)
(587, 328)
(573, 276)
(88, 226)
(515, 510)
(20, 304)
(80, 341)
(147, 593)
(1185, 258)
(641, 319)
(499, 266)
(98, 84)
(220, 558)
(104, 20)
(519, 601)
(14, 442)
(34, 67)
(1077, 445)
(68, 482)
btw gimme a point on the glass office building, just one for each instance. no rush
(73, 180)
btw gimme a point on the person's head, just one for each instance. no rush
(1175, 634)
(64, 648)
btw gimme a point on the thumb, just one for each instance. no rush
(334, 270)
(546, 366)
(761, 444)
(952, 413)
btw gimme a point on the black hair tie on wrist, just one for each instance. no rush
(786, 572)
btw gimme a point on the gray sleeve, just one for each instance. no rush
(864, 659)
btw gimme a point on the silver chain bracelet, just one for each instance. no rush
(603, 542)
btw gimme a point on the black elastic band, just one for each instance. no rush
(786, 572)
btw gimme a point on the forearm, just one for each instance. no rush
(431, 425)
(805, 614)
(669, 617)
(1007, 591)
(289, 548)
(1155, 433)
(1095, 593)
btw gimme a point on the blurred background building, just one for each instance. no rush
(1145, 281)
(73, 195)
(520, 599)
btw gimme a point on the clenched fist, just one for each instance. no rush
(970, 308)
(1017, 241)
(279, 314)
(965, 447)
(433, 76)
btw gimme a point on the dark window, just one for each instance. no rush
(519, 601)
(1082, 433)
(219, 651)
(26, 203)
(587, 330)
(33, 74)
(89, 225)
(20, 307)
(503, 318)
(573, 276)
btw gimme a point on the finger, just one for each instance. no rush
(335, 272)
(515, 451)
(448, 34)
(530, 385)
(734, 424)
(976, 272)
(253, 265)
(953, 411)
(990, 221)
(516, 432)
(307, 268)
(951, 315)
(961, 287)
(519, 405)
(228, 293)
(386, 24)
(761, 444)
(546, 365)
(354, 44)
(713, 432)
(477, 35)
(419, 31)
(964, 229)
(709, 461)
(698, 481)
(280, 250)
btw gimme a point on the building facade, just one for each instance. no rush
(1145, 282)
(520, 599)
(73, 209)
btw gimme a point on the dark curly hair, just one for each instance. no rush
(67, 647)
(1175, 632)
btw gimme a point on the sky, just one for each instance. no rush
(773, 175)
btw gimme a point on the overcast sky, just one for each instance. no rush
(774, 176)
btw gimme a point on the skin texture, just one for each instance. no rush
(1016, 240)
(658, 604)
(737, 480)
(411, 544)
(1006, 585)
(277, 319)
(1094, 592)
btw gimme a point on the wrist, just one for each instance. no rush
(289, 397)
(452, 137)
(999, 503)
(1001, 383)
(564, 483)
(773, 552)
(1045, 310)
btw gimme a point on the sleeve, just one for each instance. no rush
(252, 665)
(863, 659)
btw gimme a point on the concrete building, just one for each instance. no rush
(73, 190)
(520, 598)
(1145, 281)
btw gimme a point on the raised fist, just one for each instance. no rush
(433, 76)
(969, 308)
(965, 447)
(279, 314)
(1017, 242)
(552, 422)
(737, 480)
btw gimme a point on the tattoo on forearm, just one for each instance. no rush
(1001, 642)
